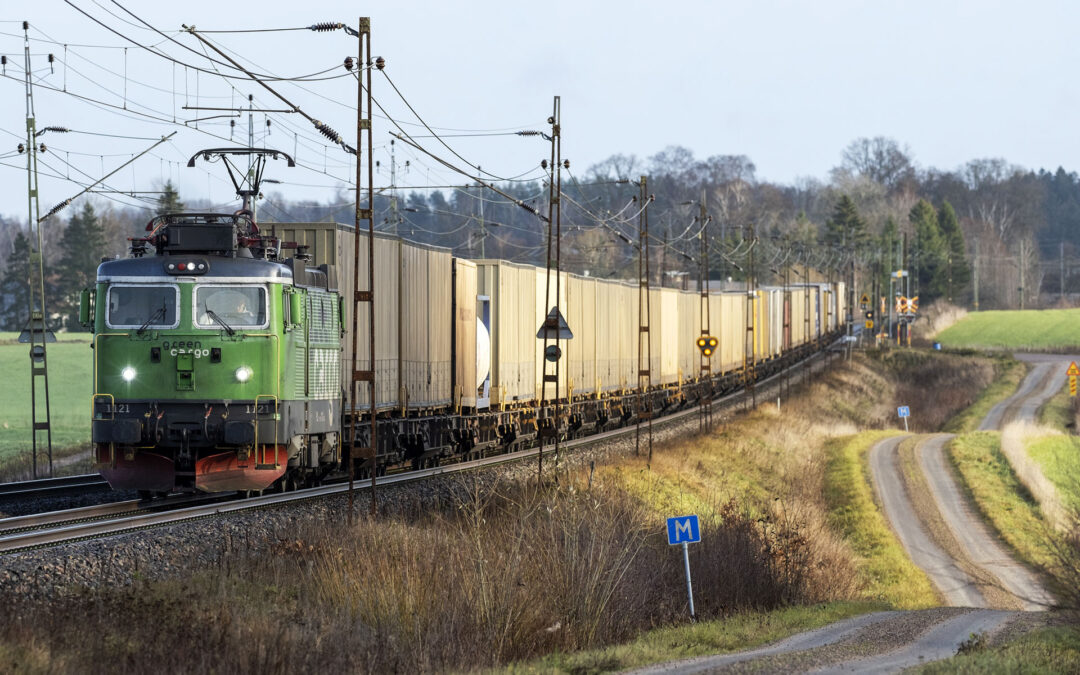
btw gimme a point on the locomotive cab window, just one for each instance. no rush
(230, 306)
(135, 306)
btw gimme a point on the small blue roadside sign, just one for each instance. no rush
(903, 411)
(683, 530)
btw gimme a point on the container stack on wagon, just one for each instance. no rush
(430, 307)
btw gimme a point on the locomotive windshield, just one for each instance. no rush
(230, 306)
(152, 306)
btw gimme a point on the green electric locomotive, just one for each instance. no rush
(216, 360)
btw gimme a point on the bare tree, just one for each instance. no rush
(880, 159)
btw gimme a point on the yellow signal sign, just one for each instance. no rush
(901, 304)
(707, 344)
(913, 304)
(869, 324)
(864, 300)
(1073, 370)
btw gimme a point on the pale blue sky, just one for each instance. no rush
(787, 83)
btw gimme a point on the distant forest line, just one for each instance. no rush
(1016, 230)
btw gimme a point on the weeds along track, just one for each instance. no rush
(50, 529)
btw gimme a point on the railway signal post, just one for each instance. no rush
(644, 345)
(705, 369)
(36, 333)
(550, 328)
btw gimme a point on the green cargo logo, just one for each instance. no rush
(193, 347)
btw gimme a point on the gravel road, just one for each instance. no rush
(977, 541)
(957, 587)
(886, 642)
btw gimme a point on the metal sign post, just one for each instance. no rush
(904, 412)
(685, 530)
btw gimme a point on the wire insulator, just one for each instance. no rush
(325, 26)
(348, 63)
(380, 62)
(327, 131)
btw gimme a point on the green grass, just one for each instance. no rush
(70, 369)
(1046, 329)
(887, 574)
(1058, 456)
(1008, 373)
(745, 630)
(1049, 650)
(1003, 501)
(1057, 412)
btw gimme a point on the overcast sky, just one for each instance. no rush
(788, 84)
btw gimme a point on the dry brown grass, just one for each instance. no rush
(500, 574)
(486, 574)
(935, 386)
(936, 318)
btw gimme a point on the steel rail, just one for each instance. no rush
(46, 487)
(67, 530)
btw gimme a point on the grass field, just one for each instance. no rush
(1050, 650)
(1035, 330)
(1004, 502)
(70, 369)
(1058, 456)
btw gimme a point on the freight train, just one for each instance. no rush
(221, 353)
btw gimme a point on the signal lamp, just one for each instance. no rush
(243, 374)
(128, 373)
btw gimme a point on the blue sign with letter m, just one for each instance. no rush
(683, 530)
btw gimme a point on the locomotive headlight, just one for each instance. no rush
(243, 374)
(128, 373)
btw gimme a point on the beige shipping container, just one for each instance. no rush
(732, 308)
(798, 316)
(607, 342)
(689, 332)
(332, 243)
(464, 354)
(425, 325)
(512, 292)
(667, 327)
(581, 351)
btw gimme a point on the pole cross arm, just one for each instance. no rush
(265, 152)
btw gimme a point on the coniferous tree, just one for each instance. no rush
(14, 286)
(928, 254)
(957, 270)
(846, 228)
(83, 244)
(169, 200)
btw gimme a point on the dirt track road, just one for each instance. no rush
(981, 582)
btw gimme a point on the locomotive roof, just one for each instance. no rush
(217, 267)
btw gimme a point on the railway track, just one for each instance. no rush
(50, 529)
(52, 487)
